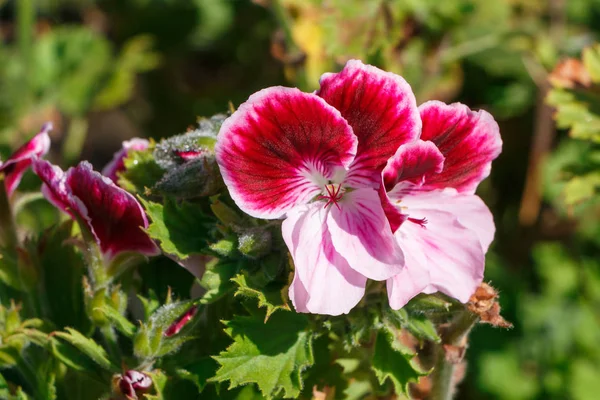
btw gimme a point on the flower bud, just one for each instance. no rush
(131, 384)
(255, 243)
(182, 321)
(198, 177)
(189, 160)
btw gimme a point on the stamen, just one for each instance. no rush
(419, 221)
(334, 194)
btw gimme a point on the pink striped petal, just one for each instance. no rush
(112, 215)
(469, 140)
(469, 209)
(117, 164)
(324, 282)
(455, 257)
(20, 160)
(413, 162)
(361, 232)
(280, 148)
(382, 111)
(414, 278)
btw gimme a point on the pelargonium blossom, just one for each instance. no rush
(316, 160)
(15, 166)
(446, 229)
(117, 164)
(112, 215)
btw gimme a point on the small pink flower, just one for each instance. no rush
(112, 215)
(117, 164)
(20, 160)
(443, 228)
(316, 160)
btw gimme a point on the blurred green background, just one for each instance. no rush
(105, 71)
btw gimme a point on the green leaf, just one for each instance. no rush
(271, 354)
(591, 61)
(88, 347)
(217, 280)
(199, 372)
(270, 296)
(118, 320)
(326, 372)
(181, 229)
(582, 188)
(417, 324)
(393, 362)
(136, 56)
(63, 288)
(141, 171)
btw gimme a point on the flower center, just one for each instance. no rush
(333, 194)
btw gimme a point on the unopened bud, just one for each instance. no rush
(131, 384)
(182, 321)
(198, 177)
(224, 247)
(179, 149)
(255, 243)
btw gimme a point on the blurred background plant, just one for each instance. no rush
(107, 70)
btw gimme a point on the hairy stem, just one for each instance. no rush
(455, 334)
(8, 234)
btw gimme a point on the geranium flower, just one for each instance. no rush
(112, 215)
(316, 160)
(446, 229)
(14, 168)
(117, 164)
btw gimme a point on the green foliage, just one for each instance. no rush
(391, 361)
(177, 227)
(270, 296)
(274, 363)
(141, 171)
(88, 347)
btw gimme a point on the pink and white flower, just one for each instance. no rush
(117, 164)
(444, 229)
(14, 168)
(112, 215)
(316, 160)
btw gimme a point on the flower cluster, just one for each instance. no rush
(112, 216)
(369, 185)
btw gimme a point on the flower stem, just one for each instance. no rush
(443, 382)
(8, 234)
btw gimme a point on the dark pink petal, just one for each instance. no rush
(469, 140)
(361, 233)
(117, 164)
(413, 162)
(324, 282)
(382, 111)
(54, 187)
(392, 211)
(20, 160)
(280, 148)
(115, 216)
(455, 257)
